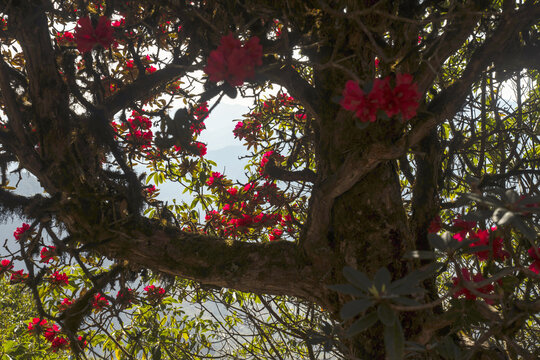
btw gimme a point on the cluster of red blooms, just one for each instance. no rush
(403, 98)
(65, 38)
(241, 208)
(87, 36)
(247, 129)
(18, 277)
(534, 253)
(481, 238)
(47, 253)
(20, 231)
(52, 334)
(486, 289)
(139, 128)
(233, 61)
(125, 297)
(200, 113)
(153, 293)
(150, 190)
(99, 302)
(65, 304)
(59, 279)
(271, 154)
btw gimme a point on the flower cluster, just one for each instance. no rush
(87, 36)
(65, 304)
(59, 279)
(5, 266)
(18, 277)
(99, 302)
(481, 239)
(214, 179)
(20, 231)
(65, 38)
(140, 132)
(50, 332)
(47, 253)
(200, 113)
(466, 278)
(534, 253)
(233, 61)
(402, 99)
(153, 293)
(247, 129)
(125, 297)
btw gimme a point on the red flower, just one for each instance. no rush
(486, 289)
(59, 279)
(47, 253)
(202, 148)
(402, 99)
(534, 253)
(51, 332)
(150, 190)
(215, 176)
(21, 230)
(275, 235)
(5, 265)
(18, 277)
(125, 297)
(496, 251)
(154, 293)
(65, 38)
(406, 95)
(99, 302)
(435, 225)
(37, 325)
(87, 36)
(64, 304)
(129, 64)
(59, 343)
(354, 99)
(233, 62)
(151, 69)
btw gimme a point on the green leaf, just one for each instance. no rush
(386, 314)
(362, 324)
(355, 307)
(394, 341)
(382, 279)
(357, 278)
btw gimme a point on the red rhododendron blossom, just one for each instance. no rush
(354, 99)
(119, 23)
(465, 228)
(534, 253)
(37, 326)
(202, 148)
(496, 251)
(403, 98)
(18, 277)
(234, 62)
(59, 343)
(87, 36)
(47, 253)
(99, 302)
(435, 225)
(125, 297)
(151, 69)
(64, 304)
(154, 293)
(21, 230)
(59, 279)
(212, 215)
(275, 234)
(486, 289)
(150, 190)
(406, 95)
(215, 176)
(51, 332)
(5, 265)
(129, 64)
(65, 38)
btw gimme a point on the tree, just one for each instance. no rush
(379, 170)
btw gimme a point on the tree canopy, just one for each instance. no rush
(390, 206)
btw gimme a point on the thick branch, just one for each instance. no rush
(271, 268)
